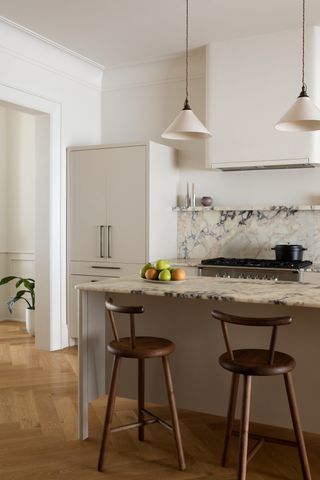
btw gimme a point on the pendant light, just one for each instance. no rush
(304, 115)
(186, 125)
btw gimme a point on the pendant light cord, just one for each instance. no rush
(303, 41)
(186, 102)
(187, 49)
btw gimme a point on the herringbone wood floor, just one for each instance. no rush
(38, 414)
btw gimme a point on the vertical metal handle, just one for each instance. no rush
(101, 241)
(109, 241)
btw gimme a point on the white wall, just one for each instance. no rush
(139, 102)
(17, 167)
(39, 75)
(3, 209)
(3, 179)
(20, 181)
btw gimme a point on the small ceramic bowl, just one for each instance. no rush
(206, 201)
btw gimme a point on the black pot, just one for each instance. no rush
(289, 253)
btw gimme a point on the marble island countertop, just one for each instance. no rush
(220, 289)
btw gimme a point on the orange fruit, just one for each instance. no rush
(151, 274)
(178, 274)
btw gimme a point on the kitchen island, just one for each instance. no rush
(181, 312)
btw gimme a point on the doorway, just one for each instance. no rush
(49, 225)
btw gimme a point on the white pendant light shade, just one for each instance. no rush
(186, 126)
(303, 116)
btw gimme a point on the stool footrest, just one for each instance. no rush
(267, 439)
(158, 419)
(255, 449)
(149, 421)
(133, 425)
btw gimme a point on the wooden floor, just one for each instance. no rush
(38, 418)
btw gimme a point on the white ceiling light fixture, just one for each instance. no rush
(186, 126)
(304, 115)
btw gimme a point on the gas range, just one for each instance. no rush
(254, 268)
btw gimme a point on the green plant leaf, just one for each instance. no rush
(29, 285)
(5, 280)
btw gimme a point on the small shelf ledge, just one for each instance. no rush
(246, 208)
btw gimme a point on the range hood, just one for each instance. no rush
(264, 165)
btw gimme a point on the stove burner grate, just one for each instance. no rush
(255, 263)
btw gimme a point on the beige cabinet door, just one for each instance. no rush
(73, 299)
(87, 205)
(126, 204)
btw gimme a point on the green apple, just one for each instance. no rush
(164, 275)
(144, 269)
(162, 265)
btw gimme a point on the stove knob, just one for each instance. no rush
(240, 276)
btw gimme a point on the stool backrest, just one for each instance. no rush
(274, 322)
(111, 309)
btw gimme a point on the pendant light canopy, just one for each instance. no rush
(186, 126)
(304, 115)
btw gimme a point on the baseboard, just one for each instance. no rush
(11, 319)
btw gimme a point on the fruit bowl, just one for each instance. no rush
(160, 282)
(162, 272)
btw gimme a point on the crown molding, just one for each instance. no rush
(128, 85)
(78, 69)
(51, 43)
(161, 71)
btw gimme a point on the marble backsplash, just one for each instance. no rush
(247, 233)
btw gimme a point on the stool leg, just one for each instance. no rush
(297, 426)
(174, 414)
(244, 428)
(230, 417)
(109, 411)
(141, 396)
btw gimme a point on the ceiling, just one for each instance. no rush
(116, 32)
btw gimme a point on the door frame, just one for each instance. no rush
(53, 334)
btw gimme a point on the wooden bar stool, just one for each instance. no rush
(258, 362)
(139, 348)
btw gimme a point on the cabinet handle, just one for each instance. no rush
(106, 268)
(101, 241)
(109, 241)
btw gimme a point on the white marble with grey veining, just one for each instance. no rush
(247, 233)
(292, 294)
(218, 208)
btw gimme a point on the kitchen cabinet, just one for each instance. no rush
(108, 205)
(120, 215)
(311, 277)
(251, 83)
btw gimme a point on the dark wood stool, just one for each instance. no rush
(139, 348)
(258, 362)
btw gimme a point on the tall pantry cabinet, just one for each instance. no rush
(120, 200)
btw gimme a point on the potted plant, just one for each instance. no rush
(28, 284)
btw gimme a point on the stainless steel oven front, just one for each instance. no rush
(292, 275)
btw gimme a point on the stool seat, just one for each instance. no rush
(145, 347)
(255, 362)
